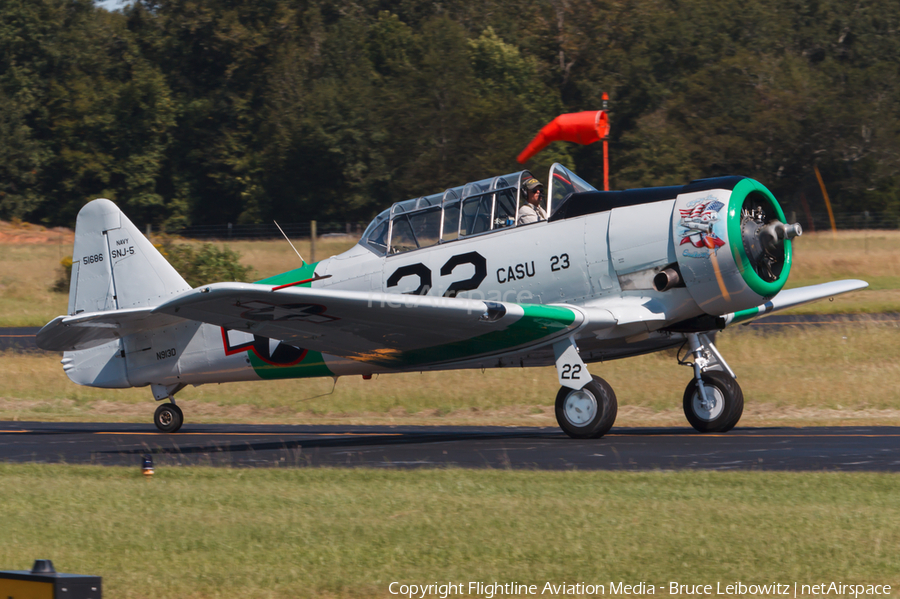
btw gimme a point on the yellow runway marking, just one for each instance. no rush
(781, 324)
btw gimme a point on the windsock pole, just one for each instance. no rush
(606, 144)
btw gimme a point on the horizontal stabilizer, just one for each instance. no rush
(790, 298)
(87, 330)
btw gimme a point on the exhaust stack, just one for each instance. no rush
(666, 279)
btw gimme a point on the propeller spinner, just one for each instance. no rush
(763, 236)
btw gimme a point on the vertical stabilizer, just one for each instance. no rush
(114, 266)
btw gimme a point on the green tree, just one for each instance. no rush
(216, 111)
(85, 115)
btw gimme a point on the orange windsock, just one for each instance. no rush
(578, 127)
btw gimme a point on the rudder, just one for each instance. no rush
(114, 266)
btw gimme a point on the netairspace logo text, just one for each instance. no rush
(490, 590)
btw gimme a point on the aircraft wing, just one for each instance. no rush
(790, 298)
(90, 329)
(384, 329)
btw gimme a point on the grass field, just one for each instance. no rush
(844, 374)
(867, 255)
(30, 266)
(199, 533)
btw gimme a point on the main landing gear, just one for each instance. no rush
(168, 417)
(713, 400)
(586, 413)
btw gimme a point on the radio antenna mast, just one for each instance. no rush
(289, 242)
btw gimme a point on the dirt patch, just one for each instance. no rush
(27, 233)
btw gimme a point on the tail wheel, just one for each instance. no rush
(723, 406)
(586, 413)
(168, 418)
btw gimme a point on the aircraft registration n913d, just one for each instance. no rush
(457, 279)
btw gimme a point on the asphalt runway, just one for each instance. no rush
(809, 449)
(18, 339)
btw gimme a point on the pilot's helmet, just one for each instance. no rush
(532, 184)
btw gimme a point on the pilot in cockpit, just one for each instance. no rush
(531, 211)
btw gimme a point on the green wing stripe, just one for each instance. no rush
(743, 315)
(537, 323)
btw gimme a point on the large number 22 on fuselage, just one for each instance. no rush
(540, 263)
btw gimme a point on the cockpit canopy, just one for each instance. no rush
(476, 208)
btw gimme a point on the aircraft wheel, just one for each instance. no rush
(586, 413)
(724, 409)
(168, 418)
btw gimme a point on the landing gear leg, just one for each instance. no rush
(713, 400)
(168, 417)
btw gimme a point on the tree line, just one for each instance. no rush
(204, 112)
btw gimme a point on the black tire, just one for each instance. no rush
(729, 403)
(598, 407)
(168, 418)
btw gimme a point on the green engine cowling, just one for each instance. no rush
(732, 244)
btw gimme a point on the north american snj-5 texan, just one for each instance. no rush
(500, 273)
